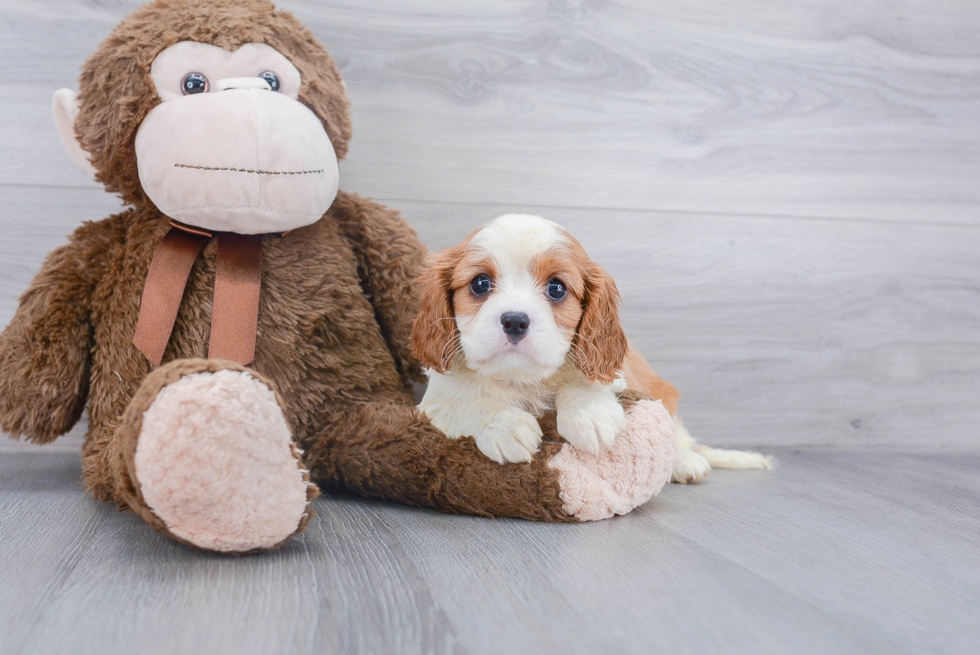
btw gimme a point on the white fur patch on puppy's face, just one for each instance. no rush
(517, 298)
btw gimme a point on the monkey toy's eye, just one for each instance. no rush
(194, 83)
(556, 289)
(480, 286)
(272, 79)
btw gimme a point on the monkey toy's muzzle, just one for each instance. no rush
(240, 159)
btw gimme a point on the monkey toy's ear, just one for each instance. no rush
(65, 107)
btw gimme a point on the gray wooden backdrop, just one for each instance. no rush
(787, 192)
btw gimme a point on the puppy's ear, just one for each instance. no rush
(600, 340)
(434, 331)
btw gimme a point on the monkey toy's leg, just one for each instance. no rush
(389, 451)
(204, 455)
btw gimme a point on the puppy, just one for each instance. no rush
(517, 321)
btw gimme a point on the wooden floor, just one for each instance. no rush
(840, 551)
(788, 194)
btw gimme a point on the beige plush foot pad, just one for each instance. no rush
(624, 477)
(216, 463)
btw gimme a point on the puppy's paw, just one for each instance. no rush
(592, 425)
(512, 435)
(691, 467)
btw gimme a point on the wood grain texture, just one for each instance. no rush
(809, 108)
(839, 551)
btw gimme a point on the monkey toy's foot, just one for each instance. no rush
(627, 475)
(206, 457)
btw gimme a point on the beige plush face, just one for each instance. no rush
(231, 148)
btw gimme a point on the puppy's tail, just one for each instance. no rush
(720, 458)
(735, 459)
(695, 461)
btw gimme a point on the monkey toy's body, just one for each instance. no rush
(220, 454)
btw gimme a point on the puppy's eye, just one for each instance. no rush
(272, 79)
(556, 289)
(480, 286)
(194, 83)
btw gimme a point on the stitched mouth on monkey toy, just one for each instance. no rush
(243, 170)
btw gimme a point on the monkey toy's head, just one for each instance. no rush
(225, 114)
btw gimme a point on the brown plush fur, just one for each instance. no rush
(337, 302)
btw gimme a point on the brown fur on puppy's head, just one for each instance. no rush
(117, 92)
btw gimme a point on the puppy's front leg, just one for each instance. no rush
(589, 414)
(459, 406)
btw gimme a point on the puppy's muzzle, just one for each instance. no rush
(515, 325)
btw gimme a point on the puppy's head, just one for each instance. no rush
(515, 301)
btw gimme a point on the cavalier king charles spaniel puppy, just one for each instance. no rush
(517, 321)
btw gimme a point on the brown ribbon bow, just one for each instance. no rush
(237, 282)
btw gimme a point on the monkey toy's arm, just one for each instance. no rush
(44, 351)
(390, 258)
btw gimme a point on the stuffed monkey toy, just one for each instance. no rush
(239, 334)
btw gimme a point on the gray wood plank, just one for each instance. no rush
(743, 563)
(777, 331)
(134, 590)
(837, 551)
(804, 108)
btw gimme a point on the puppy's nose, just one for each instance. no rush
(515, 324)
